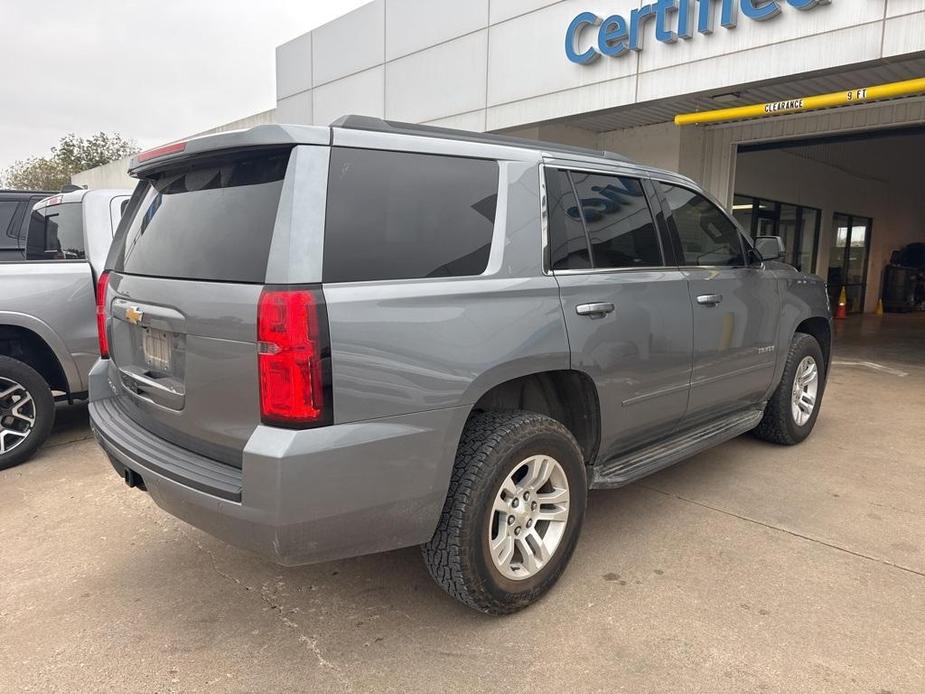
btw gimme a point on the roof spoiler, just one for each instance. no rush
(258, 136)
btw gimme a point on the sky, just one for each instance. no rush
(150, 71)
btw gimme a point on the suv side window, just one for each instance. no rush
(56, 232)
(611, 228)
(8, 235)
(400, 215)
(620, 225)
(708, 237)
(568, 244)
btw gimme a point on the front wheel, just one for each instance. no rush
(793, 408)
(27, 411)
(513, 513)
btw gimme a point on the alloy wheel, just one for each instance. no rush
(805, 390)
(528, 517)
(17, 414)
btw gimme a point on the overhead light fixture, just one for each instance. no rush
(726, 98)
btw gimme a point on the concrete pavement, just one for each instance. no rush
(751, 568)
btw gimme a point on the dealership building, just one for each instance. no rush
(841, 184)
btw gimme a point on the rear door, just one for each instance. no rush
(736, 307)
(188, 266)
(626, 306)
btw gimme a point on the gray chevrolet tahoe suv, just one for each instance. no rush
(325, 342)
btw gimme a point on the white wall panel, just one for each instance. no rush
(438, 82)
(778, 60)
(294, 66)
(527, 55)
(349, 44)
(904, 34)
(474, 121)
(411, 25)
(789, 25)
(897, 7)
(360, 94)
(295, 109)
(564, 103)
(111, 175)
(502, 10)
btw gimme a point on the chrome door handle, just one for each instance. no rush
(709, 299)
(594, 310)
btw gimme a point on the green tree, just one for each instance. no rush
(72, 155)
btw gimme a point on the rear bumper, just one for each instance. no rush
(133, 446)
(300, 496)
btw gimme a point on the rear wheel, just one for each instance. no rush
(27, 411)
(791, 412)
(513, 513)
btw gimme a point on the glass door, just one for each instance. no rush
(848, 260)
(788, 228)
(807, 239)
(798, 226)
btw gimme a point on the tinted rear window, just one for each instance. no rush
(56, 232)
(395, 215)
(212, 220)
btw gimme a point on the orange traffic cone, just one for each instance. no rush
(842, 311)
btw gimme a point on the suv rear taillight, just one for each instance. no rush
(294, 358)
(101, 285)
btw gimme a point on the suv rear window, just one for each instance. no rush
(210, 220)
(397, 215)
(56, 232)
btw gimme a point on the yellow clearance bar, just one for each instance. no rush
(809, 103)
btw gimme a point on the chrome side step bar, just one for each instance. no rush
(624, 469)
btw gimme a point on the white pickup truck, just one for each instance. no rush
(48, 333)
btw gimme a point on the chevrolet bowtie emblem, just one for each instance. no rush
(134, 315)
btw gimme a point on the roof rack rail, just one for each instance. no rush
(369, 123)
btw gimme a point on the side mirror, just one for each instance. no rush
(770, 247)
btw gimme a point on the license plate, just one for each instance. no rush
(156, 344)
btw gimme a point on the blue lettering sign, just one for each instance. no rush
(612, 36)
(807, 4)
(760, 9)
(574, 32)
(637, 20)
(673, 19)
(663, 11)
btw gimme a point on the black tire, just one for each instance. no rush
(778, 424)
(44, 410)
(492, 446)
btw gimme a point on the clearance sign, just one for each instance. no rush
(809, 103)
(671, 19)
